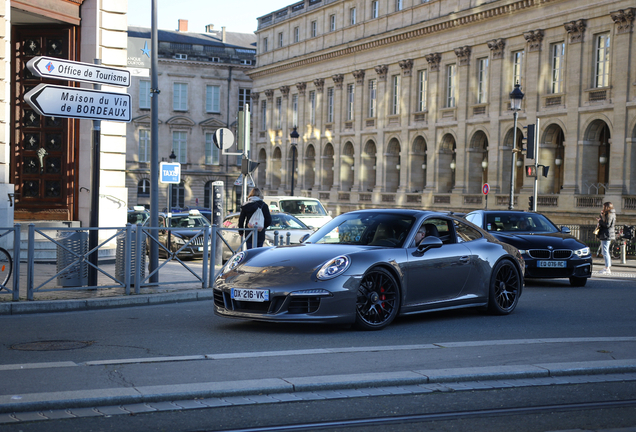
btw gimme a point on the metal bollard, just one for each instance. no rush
(275, 238)
(624, 252)
(288, 238)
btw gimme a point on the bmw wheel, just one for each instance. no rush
(505, 288)
(378, 300)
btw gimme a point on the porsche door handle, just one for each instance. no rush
(464, 260)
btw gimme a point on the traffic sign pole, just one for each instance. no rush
(536, 167)
(485, 189)
(93, 237)
(153, 259)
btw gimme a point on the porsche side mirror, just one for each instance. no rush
(303, 238)
(429, 243)
(565, 230)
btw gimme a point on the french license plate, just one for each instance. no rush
(253, 295)
(552, 264)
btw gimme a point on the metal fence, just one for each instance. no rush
(66, 269)
(121, 262)
(585, 234)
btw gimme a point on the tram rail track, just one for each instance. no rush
(439, 416)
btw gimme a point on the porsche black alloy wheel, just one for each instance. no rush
(378, 300)
(505, 287)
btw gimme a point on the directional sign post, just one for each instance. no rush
(72, 102)
(50, 67)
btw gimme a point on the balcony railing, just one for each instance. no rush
(589, 201)
(547, 201)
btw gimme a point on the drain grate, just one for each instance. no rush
(53, 345)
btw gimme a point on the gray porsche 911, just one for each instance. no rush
(367, 267)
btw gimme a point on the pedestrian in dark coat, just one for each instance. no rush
(254, 201)
(606, 233)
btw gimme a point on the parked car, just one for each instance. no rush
(364, 268)
(186, 237)
(309, 210)
(138, 215)
(282, 222)
(548, 251)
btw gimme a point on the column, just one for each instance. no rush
(619, 180)
(358, 126)
(433, 60)
(461, 108)
(405, 114)
(381, 70)
(497, 103)
(573, 151)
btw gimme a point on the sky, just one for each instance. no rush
(237, 15)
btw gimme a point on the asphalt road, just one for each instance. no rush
(185, 344)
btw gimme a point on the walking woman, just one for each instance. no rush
(606, 223)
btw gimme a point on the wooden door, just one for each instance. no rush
(45, 149)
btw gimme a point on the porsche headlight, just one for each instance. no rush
(233, 262)
(582, 252)
(333, 268)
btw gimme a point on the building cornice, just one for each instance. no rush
(441, 25)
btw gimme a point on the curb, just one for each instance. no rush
(149, 394)
(42, 306)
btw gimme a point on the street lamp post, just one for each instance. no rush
(172, 158)
(515, 104)
(294, 142)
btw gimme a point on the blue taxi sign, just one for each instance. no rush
(169, 172)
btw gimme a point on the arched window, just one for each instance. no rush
(143, 188)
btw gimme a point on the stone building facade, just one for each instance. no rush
(406, 103)
(202, 84)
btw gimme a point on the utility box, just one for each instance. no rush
(76, 244)
(120, 262)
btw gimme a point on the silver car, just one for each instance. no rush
(284, 223)
(366, 267)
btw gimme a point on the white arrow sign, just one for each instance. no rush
(60, 101)
(50, 67)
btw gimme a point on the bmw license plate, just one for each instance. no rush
(552, 264)
(253, 295)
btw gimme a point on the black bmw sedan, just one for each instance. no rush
(548, 251)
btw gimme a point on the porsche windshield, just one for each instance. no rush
(369, 229)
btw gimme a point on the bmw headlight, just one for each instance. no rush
(333, 268)
(233, 262)
(178, 240)
(523, 251)
(582, 252)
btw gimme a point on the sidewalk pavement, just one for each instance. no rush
(90, 299)
(272, 390)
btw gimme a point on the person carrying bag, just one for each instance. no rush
(255, 214)
(606, 233)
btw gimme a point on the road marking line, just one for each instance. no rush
(344, 350)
